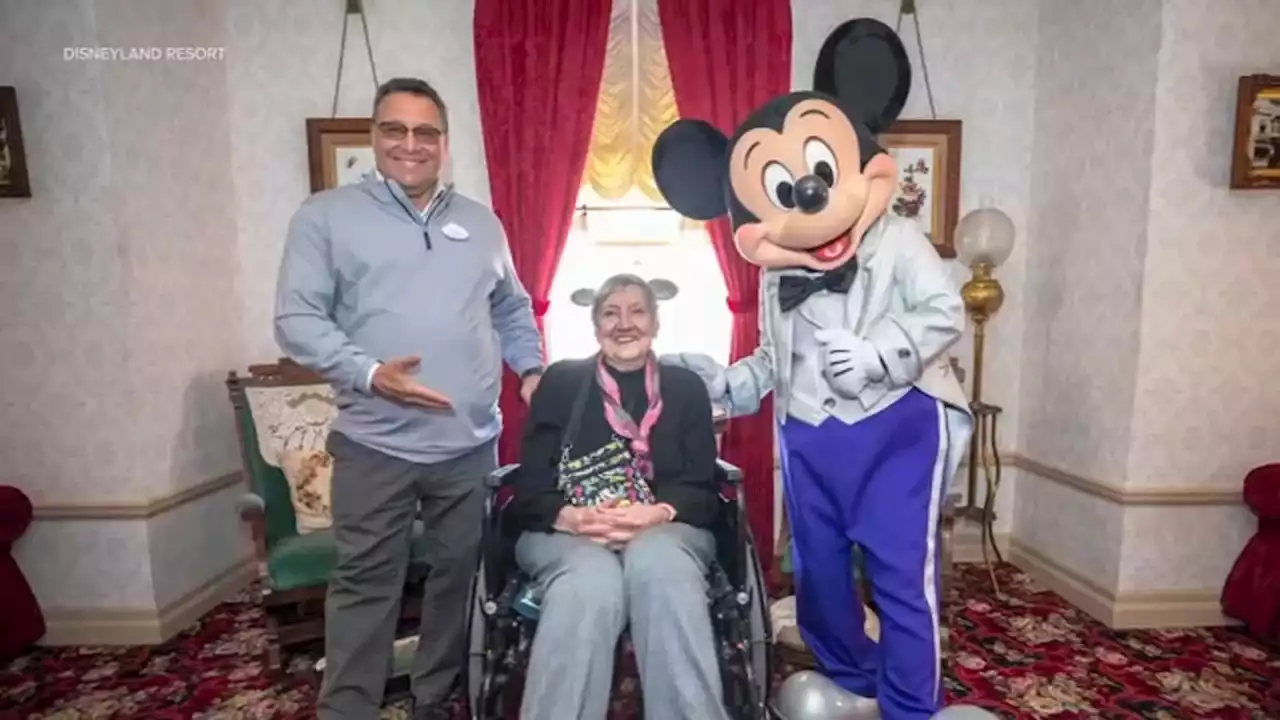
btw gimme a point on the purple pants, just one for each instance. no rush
(878, 483)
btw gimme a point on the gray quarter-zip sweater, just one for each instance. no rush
(367, 278)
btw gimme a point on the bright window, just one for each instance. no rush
(635, 235)
(623, 224)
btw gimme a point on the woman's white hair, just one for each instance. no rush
(618, 283)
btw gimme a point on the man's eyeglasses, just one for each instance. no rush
(421, 133)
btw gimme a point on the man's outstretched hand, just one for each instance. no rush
(397, 380)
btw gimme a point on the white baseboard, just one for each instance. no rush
(1122, 611)
(966, 544)
(143, 627)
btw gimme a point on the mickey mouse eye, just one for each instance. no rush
(780, 186)
(821, 161)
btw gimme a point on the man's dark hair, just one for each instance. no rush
(414, 86)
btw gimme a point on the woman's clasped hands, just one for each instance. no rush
(611, 523)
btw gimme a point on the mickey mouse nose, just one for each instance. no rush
(811, 194)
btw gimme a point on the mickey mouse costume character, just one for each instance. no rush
(857, 313)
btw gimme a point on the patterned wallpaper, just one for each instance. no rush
(61, 279)
(1152, 273)
(1147, 336)
(171, 190)
(133, 564)
(1180, 548)
(1095, 82)
(1207, 403)
(119, 299)
(117, 295)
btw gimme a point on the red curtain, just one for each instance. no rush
(727, 57)
(538, 69)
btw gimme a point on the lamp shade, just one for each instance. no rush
(984, 236)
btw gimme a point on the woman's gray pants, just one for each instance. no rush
(658, 583)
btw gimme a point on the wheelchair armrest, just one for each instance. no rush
(732, 473)
(502, 476)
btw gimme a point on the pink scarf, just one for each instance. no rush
(622, 423)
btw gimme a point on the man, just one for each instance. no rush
(401, 293)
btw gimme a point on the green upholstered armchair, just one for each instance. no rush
(284, 405)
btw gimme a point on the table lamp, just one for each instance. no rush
(984, 241)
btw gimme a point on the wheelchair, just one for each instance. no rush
(504, 610)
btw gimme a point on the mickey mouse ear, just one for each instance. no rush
(583, 297)
(663, 289)
(690, 161)
(864, 64)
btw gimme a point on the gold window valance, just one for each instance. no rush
(636, 103)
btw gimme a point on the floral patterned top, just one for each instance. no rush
(562, 465)
(602, 476)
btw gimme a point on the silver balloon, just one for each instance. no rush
(964, 712)
(808, 695)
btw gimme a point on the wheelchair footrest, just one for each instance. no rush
(528, 603)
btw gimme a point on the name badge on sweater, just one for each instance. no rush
(454, 231)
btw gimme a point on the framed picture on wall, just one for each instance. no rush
(14, 181)
(928, 156)
(339, 151)
(1255, 157)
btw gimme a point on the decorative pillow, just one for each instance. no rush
(310, 474)
(291, 417)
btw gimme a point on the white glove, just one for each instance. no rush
(852, 362)
(705, 367)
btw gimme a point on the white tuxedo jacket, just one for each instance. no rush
(908, 308)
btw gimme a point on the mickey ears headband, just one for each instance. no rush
(663, 290)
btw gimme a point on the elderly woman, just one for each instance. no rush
(616, 499)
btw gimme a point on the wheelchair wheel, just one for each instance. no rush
(746, 642)
(484, 676)
(759, 636)
(475, 667)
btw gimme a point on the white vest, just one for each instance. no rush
(812, 399)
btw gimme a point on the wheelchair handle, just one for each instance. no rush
(502, 476)
(732, 473)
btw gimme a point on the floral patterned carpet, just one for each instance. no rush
(1025, 655)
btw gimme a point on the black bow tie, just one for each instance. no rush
(795, 289)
